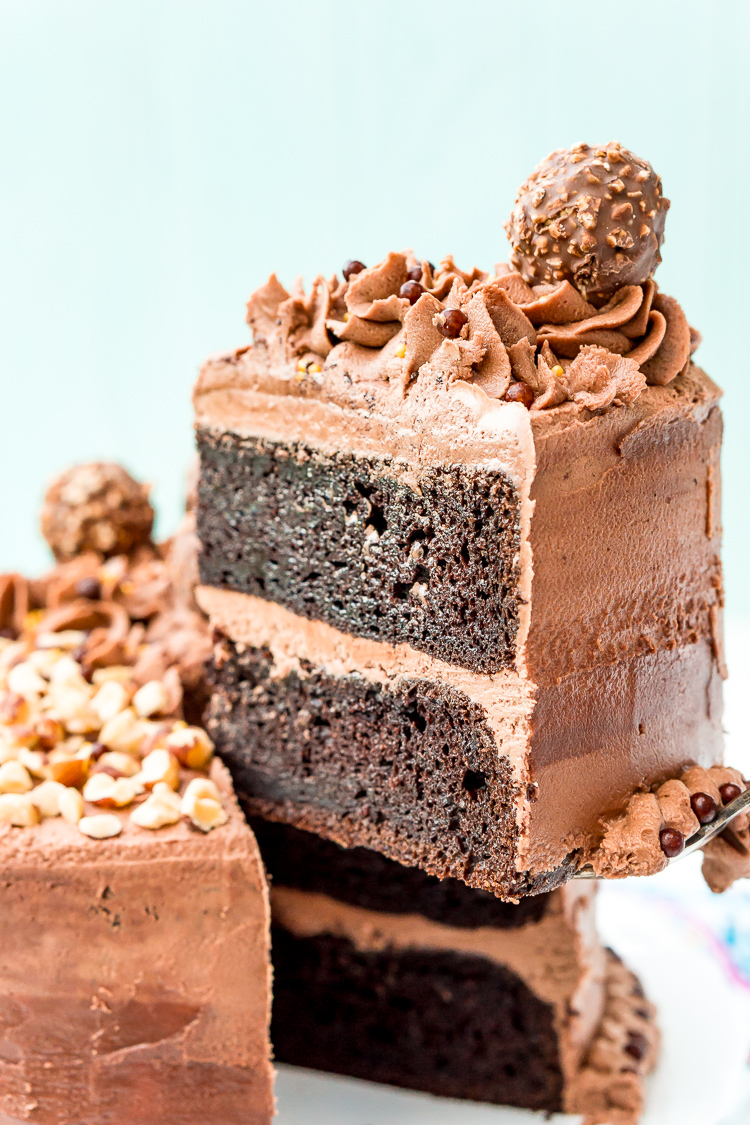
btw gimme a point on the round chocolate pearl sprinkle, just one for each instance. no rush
(90, 588)
(637, 1045)
(414, 274)
(520, 392)
(412, 290)
(704, 807)
(351, 267)
(729, 792)
(449, 323)
(672, 842)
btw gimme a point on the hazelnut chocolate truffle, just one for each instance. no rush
(96, 507)
(593, 216)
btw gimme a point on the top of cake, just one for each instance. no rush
(575, 322)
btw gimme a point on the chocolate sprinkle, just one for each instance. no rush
(351, 267)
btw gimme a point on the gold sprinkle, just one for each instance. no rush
(346, 317)
(558, 371)
(301, 365)
(315, 369)
(401, 351)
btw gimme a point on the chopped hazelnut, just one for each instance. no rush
(201, 803)
(161, 808)
(151, 699)
(110, 700)
(71, 805)
(34, 761)
(18, 810)
(69, 771)
(24, 680)
(157, 766)
(14, 778)
(114, 761)
(191, 746)
(123, 732)
(47, 796)
(101, 826)
(110, 792)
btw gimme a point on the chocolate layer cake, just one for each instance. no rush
(460, 532)
(386, 973)
(135, 970)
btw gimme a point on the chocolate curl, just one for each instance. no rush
(146, 590)
(562, 304)
(107, 622)
(492, 371)
(373, 294)
(422, 337)
(511, 322)
(14, 601)
(674, 353)
(597, 378)
(60, 586)
(263, 307)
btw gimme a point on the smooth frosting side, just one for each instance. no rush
(625, 535)
(559, 957)
(123, 953)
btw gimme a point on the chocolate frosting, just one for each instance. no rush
(546, 336)
(593, 216)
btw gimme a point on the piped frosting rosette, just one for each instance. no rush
(545, 345)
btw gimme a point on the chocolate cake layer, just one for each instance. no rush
(499, 788)
(135, 975)
(362, 877)
(534, 1014)
(342, 539)
(447, 1023)
(413, 769)
(552, 542)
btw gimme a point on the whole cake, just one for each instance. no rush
(135, 972)
(386, 973)
(460, 535)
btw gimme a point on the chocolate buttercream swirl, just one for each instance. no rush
(633, 842)
(548, 336)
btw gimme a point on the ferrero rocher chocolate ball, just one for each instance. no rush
(593, 216)
(96, 507)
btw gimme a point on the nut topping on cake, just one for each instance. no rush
(97, 663)
(592, 216)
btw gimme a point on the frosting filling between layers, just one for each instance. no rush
(662, 711)
(559, 957)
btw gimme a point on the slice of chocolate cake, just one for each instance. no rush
(460, 533)
(134, 919)
(386, 973)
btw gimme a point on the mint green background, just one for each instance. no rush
(160, 158)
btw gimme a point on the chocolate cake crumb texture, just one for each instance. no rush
(335, 538)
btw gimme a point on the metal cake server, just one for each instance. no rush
(700, 838)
